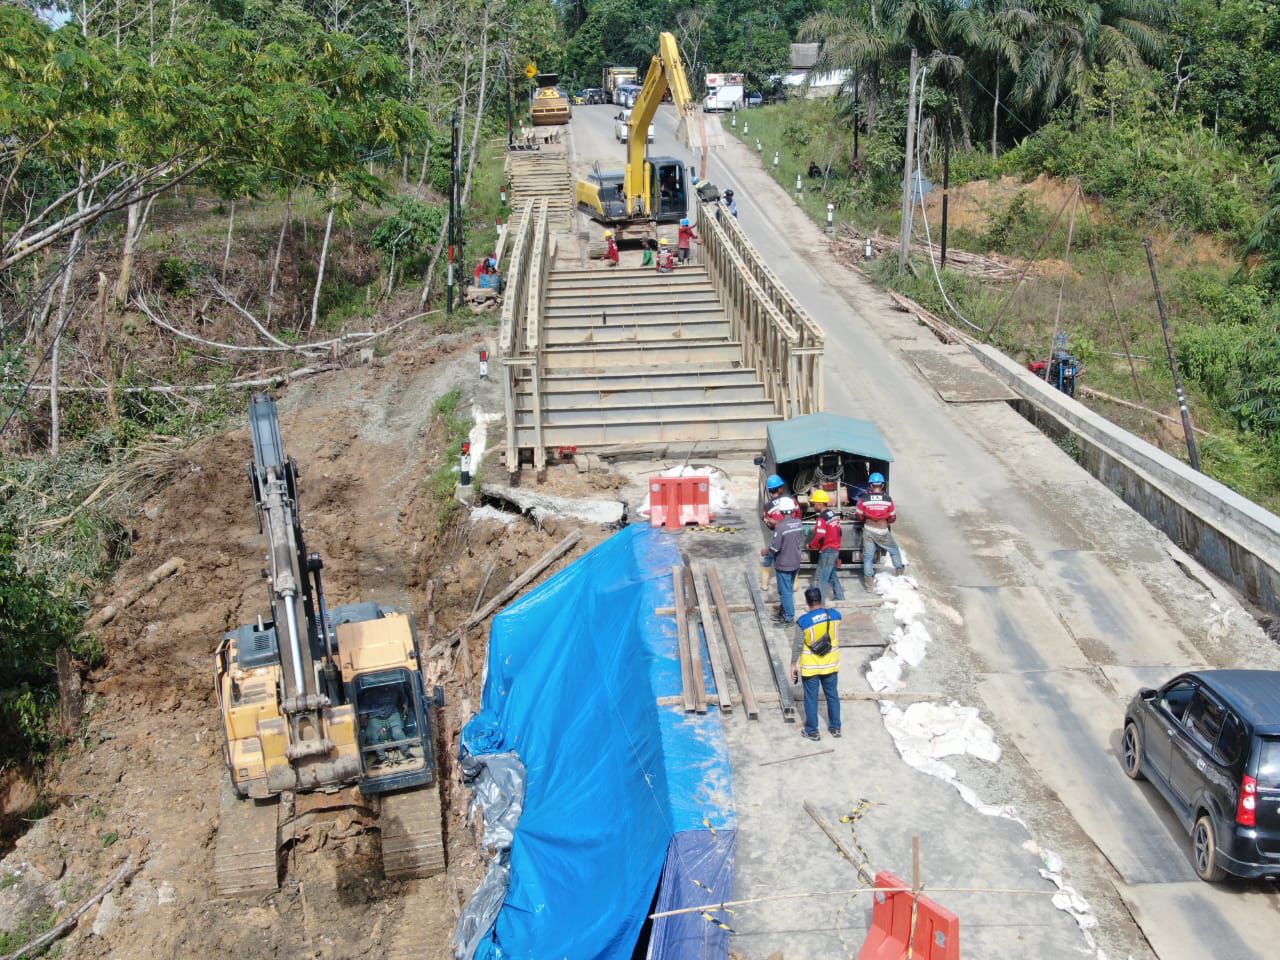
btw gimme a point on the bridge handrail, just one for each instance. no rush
(787, 360)
(516, 274)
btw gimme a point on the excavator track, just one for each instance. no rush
(244, 855)
(412, 833)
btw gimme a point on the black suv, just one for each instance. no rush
(1210, 742)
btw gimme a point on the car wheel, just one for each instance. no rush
(1131, 752)
(1204, 851)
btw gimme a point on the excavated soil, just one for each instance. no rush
(145, 777)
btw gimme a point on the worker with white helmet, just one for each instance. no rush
(786, 548)
(826, 540)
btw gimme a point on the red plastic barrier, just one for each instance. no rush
(676, 501)
(937, 934)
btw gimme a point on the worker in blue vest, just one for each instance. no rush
(815, 661)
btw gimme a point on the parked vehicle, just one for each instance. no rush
(1209, 741)
(827, 451)
(620, 123)
(754, 99)
(724, 92)
(592, 95)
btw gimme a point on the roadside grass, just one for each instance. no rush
(1066, 292)
(452, 428)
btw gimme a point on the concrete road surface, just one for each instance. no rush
(1049, 602)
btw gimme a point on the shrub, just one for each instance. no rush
(35, 621)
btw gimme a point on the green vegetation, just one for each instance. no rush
(453, 429)
(1151, 110)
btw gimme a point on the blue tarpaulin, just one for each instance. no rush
(626, 803)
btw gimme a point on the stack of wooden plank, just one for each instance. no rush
(541, 173)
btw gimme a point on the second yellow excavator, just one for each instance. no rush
(649, 190)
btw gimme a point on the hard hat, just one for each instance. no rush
(728, 194)
(608, 234)
(876, 478)
(820, 496)
(785, 505)
(664, 242)
(774, 482)
(684, 222)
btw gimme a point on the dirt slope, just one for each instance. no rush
(146, 776)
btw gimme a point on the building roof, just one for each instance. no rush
(804, 55)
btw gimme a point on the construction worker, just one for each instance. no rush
(826, 540)
(730, 204)
(877, 513)
(777, 491)
(666, 259)
(648, 258)
(815, 661)
(611, 249)
(786, 549)
(383, 722)
(686, 237)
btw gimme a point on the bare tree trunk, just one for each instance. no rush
(59, 327)
(995, 115)
(275, 267)
(226, 251)
(121, 292)
(480, 95)
(324, 254)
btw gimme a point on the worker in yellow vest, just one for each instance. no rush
(815, 660)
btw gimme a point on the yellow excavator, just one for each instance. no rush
(650, 190)
(550, 105)
(322, 710)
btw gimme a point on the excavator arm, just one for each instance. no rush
(666, 72)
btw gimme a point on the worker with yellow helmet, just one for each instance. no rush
(666, 258)
(611, 249)
(826, 540)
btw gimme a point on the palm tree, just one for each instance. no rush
(996, 29)
(1075, 37)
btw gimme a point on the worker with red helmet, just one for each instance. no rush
(826, 540)
(877, 513)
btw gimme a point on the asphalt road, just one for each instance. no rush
(1050, 602)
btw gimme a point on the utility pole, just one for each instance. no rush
(1192, 453)
(946, 183)
(904, 240)
(451, 231)
(857, 114)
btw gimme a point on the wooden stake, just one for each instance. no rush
(840, 845)
(688, 696)
(713, 650)
(739, 663)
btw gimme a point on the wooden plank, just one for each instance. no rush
(780, 678)
(682, 643)
(695, 647)
(733, 608)
(713, 649)
(745, 690)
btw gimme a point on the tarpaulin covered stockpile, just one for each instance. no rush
(620, 795)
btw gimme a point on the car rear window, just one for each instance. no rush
(1269, 764)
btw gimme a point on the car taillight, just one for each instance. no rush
(1247, 807)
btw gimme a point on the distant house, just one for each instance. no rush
(801, 81)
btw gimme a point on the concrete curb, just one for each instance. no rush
(1230, 535)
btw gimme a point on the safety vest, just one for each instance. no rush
(817, 624)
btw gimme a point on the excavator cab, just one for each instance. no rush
(669, 188)
(390, 717)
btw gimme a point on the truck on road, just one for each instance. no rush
(725, 91)
(615, 77)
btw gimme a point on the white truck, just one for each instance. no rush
(725, 91)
